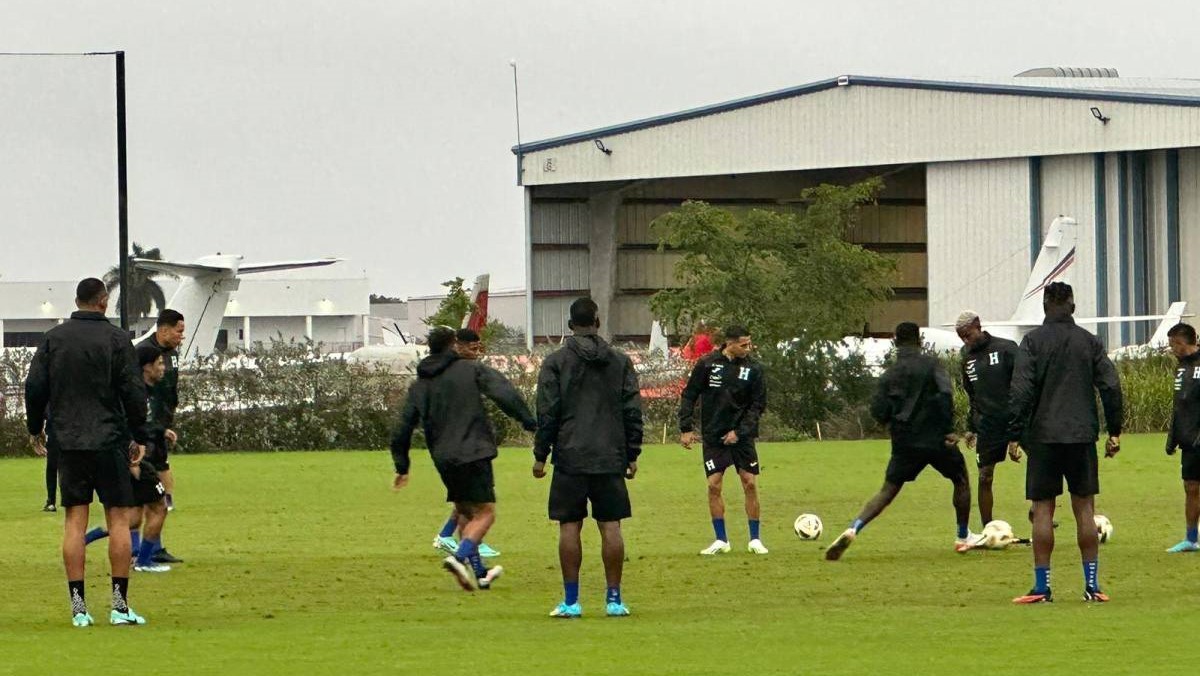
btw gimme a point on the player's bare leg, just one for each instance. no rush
(480, 518)
(612, 551)
(716, 510)
(986, 499)
(872, 509)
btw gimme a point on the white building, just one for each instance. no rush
(975, 171)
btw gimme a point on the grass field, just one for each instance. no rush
(305, 563)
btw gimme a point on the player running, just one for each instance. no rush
(732, 391)
(1052, 414)
(915, 401)
(447, 401)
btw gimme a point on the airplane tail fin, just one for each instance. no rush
(1173, 316)
(1054, 264)
(479, 300)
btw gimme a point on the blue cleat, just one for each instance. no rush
(567, 612)
(617, 610)
(127, 618)
(487, 552)
(1184, 546)
(82, 620)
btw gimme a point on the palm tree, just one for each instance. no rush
(145, 294)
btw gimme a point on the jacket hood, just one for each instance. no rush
(590, 348)
(434, 364)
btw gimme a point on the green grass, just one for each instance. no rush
(306, 563)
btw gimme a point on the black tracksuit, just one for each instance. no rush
(589, 408)
(915, 401)
(987, 369)
(1185, 419)
(732, 396)
(168, 387)
(446, 400)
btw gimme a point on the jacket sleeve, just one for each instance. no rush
(881, 403)
(945, 396)
(496, 387)
(973, 411)
(131, 389)
(687, 401)
(1021, 391)
(37, 390)
(549, 410)
(410, 415)
(1109, 384)
(748, 426)
(631, 412)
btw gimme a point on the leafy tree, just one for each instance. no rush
(144, 294)
(793, 279)
(453, 308)
(383, 298)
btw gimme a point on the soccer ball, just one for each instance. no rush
(997, 534)
(808, 526)
(1104, 528)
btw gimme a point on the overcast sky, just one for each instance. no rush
(380, 131)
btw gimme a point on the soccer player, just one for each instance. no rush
(590, 426)
(447, 401)
(915, 401)
(168, 336)
(987, 366)
(1052, 414)
(732, 392)
(468, 346)
(1185, 427)
(84, 393)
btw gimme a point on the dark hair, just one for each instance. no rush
(440, 339)
(583, 313)
(1058, 296)
(1185, 331)
(147, 353)
(169, 317)
(908, 333)
(466, 336)
(735, 331)
(90, 291)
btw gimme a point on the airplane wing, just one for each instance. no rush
(287, 265)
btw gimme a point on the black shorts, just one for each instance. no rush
(908, 463)
(103, 472)
(991, 450)
(1049, 464)
(742, 455)
(1189, 459)
(570, 494)
(472, 482)
(156, 453)
(147, 489)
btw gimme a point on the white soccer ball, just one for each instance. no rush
(1104, 528)
(808, 526)
(997, 534)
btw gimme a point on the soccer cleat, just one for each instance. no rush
(1184, 546)
(448, 545)
(717, 547)
(567, 612)
(82, 620)
(1094, 595)
(616, 610)
(163, 556)
(487, 552)
(973, 540)
(127, 618)
(151, 568)
(49, 507)
(459, 571)
(493, 573)
(1035, 596)
(839, 546)
(756, 547)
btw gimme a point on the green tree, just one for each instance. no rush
(793, 279)
(453, 308)
(144, 293)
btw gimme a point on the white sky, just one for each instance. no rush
(380, 131)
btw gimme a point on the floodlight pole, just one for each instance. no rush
(122, 193)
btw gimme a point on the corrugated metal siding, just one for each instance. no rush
(1156, 227)
(1116, 292)
(633, 222)
(978, 215)
(631, 316)
(912, 269)
(1189, 226)
(890, 314)
(890, 223)
(646, 269)
(561, 222)
(560, 270)
(550, 317)
(1068, 189)
(862, 125)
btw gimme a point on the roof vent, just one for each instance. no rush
(1069, 71)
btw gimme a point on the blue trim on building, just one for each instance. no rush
(1100, 188)
(1139, 230)
(1123, 238)
(849, 80)
(1035, 209)
(1174, 292)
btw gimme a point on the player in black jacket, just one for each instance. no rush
(732, 391)
(1184, 434)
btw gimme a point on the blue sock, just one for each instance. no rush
(477, 564)
(94, 534)
(570, 592)
(962, 530)
(858, 525)
(719, 529)
(450, 527)
(466, 549)
(1041, 578)
(1090, 577)
(613, 595)
(753, 529)
(1193, 535)
(145, 556)
(135, 541)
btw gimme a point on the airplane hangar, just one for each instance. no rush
(975, 171)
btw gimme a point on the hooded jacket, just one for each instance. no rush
(915, 401)
(732, 395)
(1185, 417)
(447, 401)
(589, 408)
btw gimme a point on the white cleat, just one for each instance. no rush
(973, 540)
(152, 568)
(493, 574)
(717, 547)
(461, 575)
(756, 547)
(839, 546)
